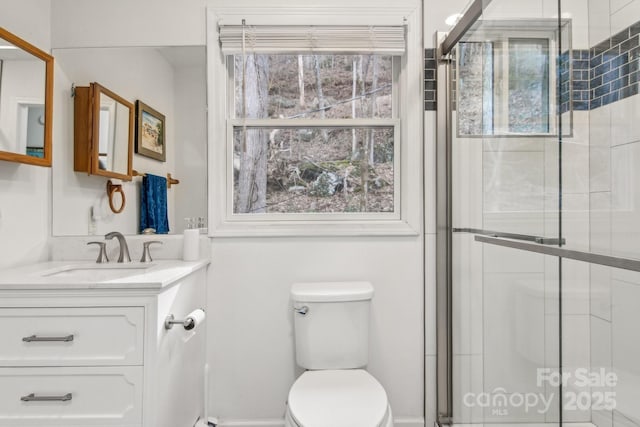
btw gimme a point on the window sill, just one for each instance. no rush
(313, 229)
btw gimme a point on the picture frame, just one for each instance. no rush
(150, 132)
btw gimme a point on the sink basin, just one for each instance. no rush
(97, 272)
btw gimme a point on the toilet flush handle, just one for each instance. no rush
(302, 310)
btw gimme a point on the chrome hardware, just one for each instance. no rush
(124, 249)
(526, 237)
(34, 398)
(35, 338)
(188, 323)
(102, 256)
(302, 310)
(146, 255)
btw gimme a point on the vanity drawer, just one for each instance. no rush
(76, 336)
(83, 396)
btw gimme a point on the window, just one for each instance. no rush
(504, 87)
(317, 132)
(313, 133)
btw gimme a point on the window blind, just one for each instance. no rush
(384, 40)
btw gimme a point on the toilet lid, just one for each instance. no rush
(337, 398)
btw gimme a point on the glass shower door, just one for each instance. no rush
(505, 147)
(542, 213)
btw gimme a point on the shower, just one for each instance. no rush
(538, 268)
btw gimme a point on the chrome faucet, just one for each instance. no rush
(124, 249)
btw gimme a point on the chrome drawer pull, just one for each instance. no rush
(35, 338)
(33, 398)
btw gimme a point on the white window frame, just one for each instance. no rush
(408, 122)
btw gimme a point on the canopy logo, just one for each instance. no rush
(581, 390)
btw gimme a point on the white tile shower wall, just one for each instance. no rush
(624, 16)
(430, 295)
(576, 358)
(507, 9)
(467, 292)
(578, 13)
(575, 219)
(614, 156)
(625, 199)
(600, 149)
(514, 337)
(600, 239)
(435, 13)
(625, 126)
(467, 180)
(625, 347)
(601, 359)
(467, 386)
(599, 24)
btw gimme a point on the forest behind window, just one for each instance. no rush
(313, 133)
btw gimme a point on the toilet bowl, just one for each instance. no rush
(331, 324)
(337, 398)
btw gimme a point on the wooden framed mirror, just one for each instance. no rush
(103, 132)
(26, 101)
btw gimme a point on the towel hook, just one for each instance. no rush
(111, 190)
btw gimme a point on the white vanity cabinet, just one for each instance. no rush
(99, 355)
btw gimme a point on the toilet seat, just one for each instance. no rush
(338, 398)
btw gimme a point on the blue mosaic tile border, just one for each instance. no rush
(589, 79)
(614, 67)
(430, 85)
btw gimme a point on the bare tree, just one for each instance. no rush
(354, 141)
(252, 179)
(301, 79)
(374, 106)
(321, 106)
(363, 69)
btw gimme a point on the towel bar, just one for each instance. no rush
(170, 180)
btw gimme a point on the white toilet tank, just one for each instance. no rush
(331, 322)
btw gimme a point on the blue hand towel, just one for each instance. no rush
(153, 204)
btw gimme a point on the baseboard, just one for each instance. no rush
(278, 422)
(408, 422)
(397, 422)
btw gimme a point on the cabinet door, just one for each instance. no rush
(75, 336)
(83, 396)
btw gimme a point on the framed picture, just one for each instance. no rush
(150, 132)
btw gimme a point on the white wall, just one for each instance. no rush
(251, 348)
(614, 192)
(25, 190)
(78, 23)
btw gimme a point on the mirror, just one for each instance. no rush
(103, 132)
(26, 101)
(171, 79)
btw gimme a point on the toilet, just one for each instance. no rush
(331, 323)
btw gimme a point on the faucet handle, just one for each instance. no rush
(102, 256)
(146, 254)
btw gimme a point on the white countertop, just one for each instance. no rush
(91, 275)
